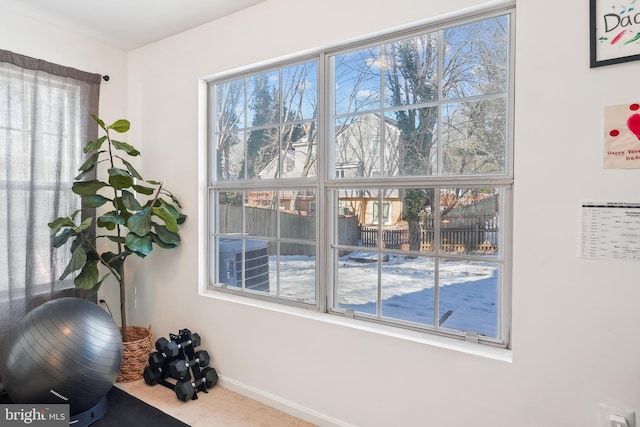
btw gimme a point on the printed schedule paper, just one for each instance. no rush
(611, 231)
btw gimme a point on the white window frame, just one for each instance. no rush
(328, 181)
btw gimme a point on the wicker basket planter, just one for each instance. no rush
(135, 353)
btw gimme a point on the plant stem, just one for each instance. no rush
(123, 311)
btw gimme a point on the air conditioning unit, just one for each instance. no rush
(256, 263)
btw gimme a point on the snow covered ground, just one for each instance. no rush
(468, 291)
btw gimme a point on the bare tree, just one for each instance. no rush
(229, 105)
(473, 65)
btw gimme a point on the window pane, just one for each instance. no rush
(474, 137)
(263, 153)
(469, 296)
(263, 106)
(294, 270)
(364, 204)
(476, 58)
(300, 92)
(357, 81)
(299, 150)
(230, 156)
(366, 146)
(468, 226)
(243, 263)
(407, 288)
(357, 285)
(230, 106)
(417, 204)
(229, 212)
(297, 214)
(261, 212)
(416, 150)
(469, 221)
(411, 75)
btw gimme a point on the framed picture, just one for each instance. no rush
(615, 31)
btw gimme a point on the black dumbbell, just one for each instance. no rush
(178, 369)
(186, 389)
(156, 359)
(172, 348)
(152, 375)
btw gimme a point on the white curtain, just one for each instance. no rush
(45, 121)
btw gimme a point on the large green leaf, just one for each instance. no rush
(99, 121)
(89, 277)
(174, 199)
(79, 241)
(120, 178)
(143, 190)
(84, 173)
(87, 188)
(57, 224)
(116, 239)
(110, 220)
(130, 202)
(120, 126)
(166, 216)
(122, 209)
(140, 245)
(131, 169)
(162, 244)
(90, 162)
(62, 238)
(172, 210)
(140, 222)
(78, 259)
(116, 260)
(94, 201)
(129, 149)
(94, 145)
(85, 224)
(166, 236)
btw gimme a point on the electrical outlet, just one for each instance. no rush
(612, 416)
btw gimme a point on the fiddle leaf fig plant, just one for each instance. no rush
(136, 214)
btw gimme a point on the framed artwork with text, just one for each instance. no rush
(615, 31)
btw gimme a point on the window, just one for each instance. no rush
(381, 192)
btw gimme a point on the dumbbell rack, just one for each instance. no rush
(180, 347)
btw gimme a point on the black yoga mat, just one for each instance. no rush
(128, 411)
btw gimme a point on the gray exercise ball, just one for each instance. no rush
(65, 351)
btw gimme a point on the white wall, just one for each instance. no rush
(575, 340)
(25, 36)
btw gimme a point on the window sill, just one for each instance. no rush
(499, 354)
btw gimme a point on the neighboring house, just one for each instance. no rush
(369, 147)
(363, 148)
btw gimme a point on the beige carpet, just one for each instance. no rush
(218, 408)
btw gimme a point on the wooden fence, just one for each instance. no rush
(262, 222)
(458, 234)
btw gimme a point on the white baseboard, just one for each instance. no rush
(281, 404)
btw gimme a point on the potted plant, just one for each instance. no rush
(135, 214)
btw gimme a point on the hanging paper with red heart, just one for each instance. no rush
(622, 136)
